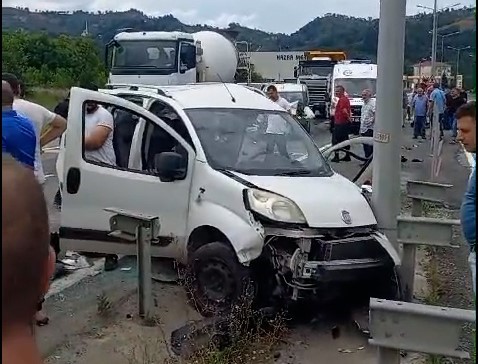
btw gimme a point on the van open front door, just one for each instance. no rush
(157, 183)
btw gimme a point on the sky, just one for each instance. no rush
(281, 16)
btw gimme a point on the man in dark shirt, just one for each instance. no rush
(341, 122)
(453, 103)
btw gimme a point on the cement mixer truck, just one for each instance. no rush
(170, 58)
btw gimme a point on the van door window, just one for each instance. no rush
(188, 56)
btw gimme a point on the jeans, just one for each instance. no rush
(454, 127)
(441, 118)
(367, 149)
(339, 135)
(277, 139)
(472, 263)
(419, 126)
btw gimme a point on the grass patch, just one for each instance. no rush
(46, 97)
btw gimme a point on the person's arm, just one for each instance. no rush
(97, 137)
(346, 109)
(468, 210)
(54, 124)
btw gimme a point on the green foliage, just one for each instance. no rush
(42, 60)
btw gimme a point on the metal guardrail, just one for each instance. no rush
(417, 230)
(143, 229)
(396, 326)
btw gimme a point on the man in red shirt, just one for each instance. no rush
(341, 122)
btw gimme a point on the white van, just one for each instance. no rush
(234, 209)
(354, 76)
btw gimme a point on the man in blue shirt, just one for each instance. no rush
(18, 134)
(420, 108)
(466, 122)
(438, 102)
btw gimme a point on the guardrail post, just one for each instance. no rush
(418, 191)
(143, 229)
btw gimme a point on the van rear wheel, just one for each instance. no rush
(218, 280)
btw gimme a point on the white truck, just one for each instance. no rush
(170, 58)
(232, 209)
(354, 76)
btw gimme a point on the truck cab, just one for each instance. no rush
(152, 58)
(239, 202)
(355, 76)
(316, 73)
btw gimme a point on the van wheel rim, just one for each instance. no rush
(216, 281)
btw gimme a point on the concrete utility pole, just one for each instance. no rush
(458, 51)
(388, 125)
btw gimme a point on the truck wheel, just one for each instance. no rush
(218, 279)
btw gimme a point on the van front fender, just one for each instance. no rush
(244, 233)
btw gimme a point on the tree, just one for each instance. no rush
(42, 60)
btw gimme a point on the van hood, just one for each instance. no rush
(322, 200)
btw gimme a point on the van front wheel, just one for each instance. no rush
(218, 279)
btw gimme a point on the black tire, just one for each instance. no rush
(217, 279)
(389, 287)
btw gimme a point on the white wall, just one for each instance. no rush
(276, 65)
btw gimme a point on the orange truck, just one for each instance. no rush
(315, 71)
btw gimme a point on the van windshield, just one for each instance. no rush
(257, 142)
(292, 97)
(355, 86)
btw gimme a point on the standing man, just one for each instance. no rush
(437, 102)
(420, 110)
(341, 122)
(277, 126)
(454, 101)
(404, 106)
(27, 260)
(466, 120)
(42, 119)
(18, 134)
(367, 120)
(98, 143)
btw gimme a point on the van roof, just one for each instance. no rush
(208, 95)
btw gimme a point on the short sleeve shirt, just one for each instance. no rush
(342, 117)
(18, 137)
(276, 124)
(438, 98)
(41, 117)
(367, 116)
(106, 153)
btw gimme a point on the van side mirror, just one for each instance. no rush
(295, 72)
(170, 166)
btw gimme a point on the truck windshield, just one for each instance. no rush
(158, 54)
(293, 96)
(315, 70)
(257, 142)
(355, 86)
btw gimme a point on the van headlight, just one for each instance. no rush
(274, 207)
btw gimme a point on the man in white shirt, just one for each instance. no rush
(99, 127)
(367, 120)
(277, 126)
(42, 118)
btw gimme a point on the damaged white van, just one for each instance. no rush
(243, 195)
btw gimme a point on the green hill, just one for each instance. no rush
(357, 36)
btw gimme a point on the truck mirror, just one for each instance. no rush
(169, 166)
(295, 72)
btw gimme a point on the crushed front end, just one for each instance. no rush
(330, 263)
